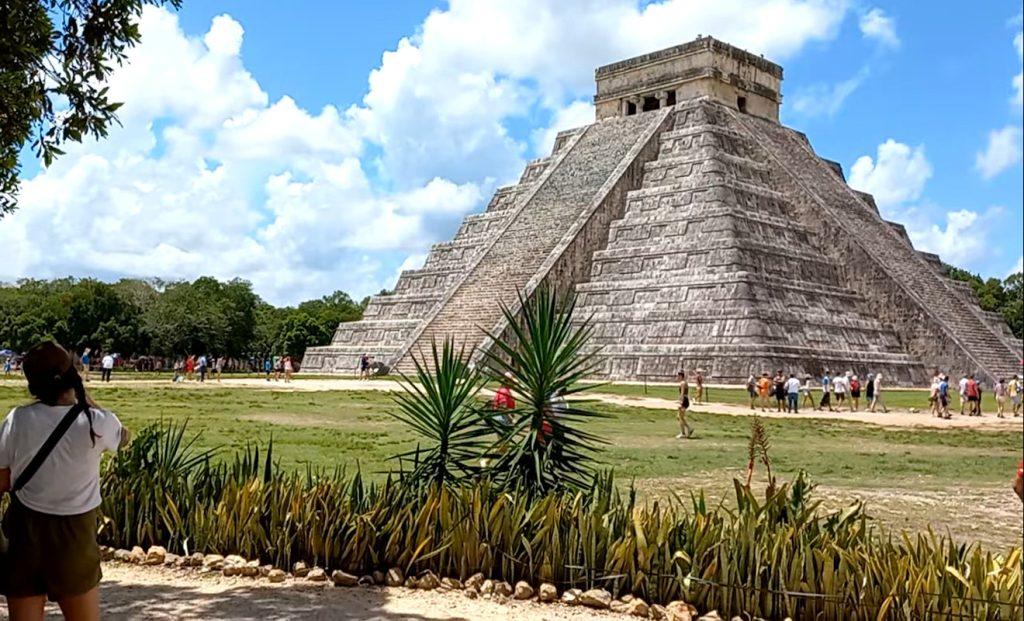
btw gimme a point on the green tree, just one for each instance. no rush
(55, 57)
(1013, 305)
(186, 319)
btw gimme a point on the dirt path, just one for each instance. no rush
(135, 592)
(901, 418)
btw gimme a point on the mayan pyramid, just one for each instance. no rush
(698, 232)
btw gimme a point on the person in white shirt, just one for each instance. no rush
(52, 518)
(962, 389)
(808, 400)
(839, 386)
(107, 367)
(792, 394)
(876, 398)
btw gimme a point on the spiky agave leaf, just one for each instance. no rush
(544, 354)
(438, 407)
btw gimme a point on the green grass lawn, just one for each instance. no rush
(353, 429)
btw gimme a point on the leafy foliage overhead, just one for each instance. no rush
(55, 58)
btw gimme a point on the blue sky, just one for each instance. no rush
(312, 146)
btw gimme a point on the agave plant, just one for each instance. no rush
(439, 407)
(543, 358)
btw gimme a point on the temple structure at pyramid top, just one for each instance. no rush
(705, 67)
(697, 232)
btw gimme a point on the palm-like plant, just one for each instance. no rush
(438, 407)
(543, 360)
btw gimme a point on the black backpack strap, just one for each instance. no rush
(47, 447)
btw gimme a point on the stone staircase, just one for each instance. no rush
(390, 320)
(903, 286)
(534, 236)
(708, 268)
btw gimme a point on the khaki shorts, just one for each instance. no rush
(52, 555)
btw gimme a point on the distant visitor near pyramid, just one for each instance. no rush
(698, 232)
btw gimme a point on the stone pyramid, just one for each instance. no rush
(698, 232)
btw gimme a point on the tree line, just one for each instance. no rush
(135, 317)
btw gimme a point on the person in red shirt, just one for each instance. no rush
(503, 401)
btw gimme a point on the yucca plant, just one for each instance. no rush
(543, 358)
(439, 407)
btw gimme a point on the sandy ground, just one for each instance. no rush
(894, 418)
(134, 592)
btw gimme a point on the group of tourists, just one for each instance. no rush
(198, 368)
(969, 390)
(279, 367)
(790, 393)
(107, 362)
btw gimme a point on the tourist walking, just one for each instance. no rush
(218, 367)
(779, 390)
(268, 367)
(999, 392)
(933, 396)
(364, 366)
(808, 399)
(685, 431)
(973, 393)
(203, 365)
(792, 394)
(839, 388)
(944, 397)
(854, 394)
(699, 380)
(752, 389)
(106, 367)
(1014, 389)
(86, 360)
(190, 366)
(876, 395)
(51, 450)
(764, 388)
(826, 393)
(869, 388)
(7, 365)
(288, 368)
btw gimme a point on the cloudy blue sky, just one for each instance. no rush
(310, 146)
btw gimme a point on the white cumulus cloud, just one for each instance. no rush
(875, 24)
(1002, 152)
(896, 175)
(208, 175)
(826, 99)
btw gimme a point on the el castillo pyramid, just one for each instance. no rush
(698, 232)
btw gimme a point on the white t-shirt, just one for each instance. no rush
(108, 362)
(68, 481)
(792, 385)
(840, 385)
(963, 386)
